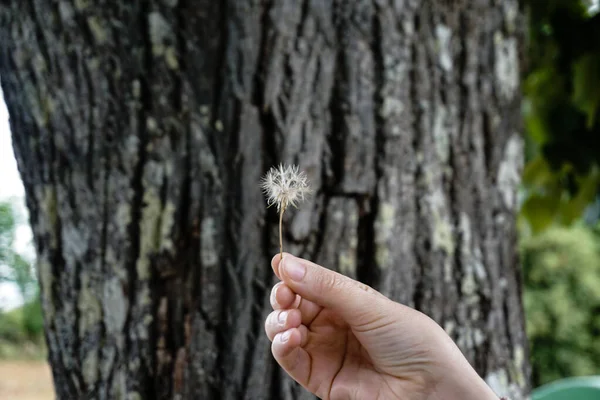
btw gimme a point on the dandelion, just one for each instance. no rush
(284, 186)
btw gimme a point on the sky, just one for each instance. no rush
(11, 189)
(11, 185)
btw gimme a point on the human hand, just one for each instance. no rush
(341, 339)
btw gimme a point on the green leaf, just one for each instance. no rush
(586, 84)
(588, 190)
(540, 211)
(537, 173)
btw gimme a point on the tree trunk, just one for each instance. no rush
(142, 128)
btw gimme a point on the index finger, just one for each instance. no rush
(275, 261)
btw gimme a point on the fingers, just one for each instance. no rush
(308, 310)
(281, 320)
(355, 302)
(275, 264)
(282, 297)
(289, 337)
(287, 348)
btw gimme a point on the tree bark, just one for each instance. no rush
(142, 128)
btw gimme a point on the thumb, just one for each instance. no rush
(357, 303)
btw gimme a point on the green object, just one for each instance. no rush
(584, 388)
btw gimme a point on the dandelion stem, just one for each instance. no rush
(280, 233)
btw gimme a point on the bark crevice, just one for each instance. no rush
(422, 244)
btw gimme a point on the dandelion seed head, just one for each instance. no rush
(285, 186)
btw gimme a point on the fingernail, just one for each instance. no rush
(285, 336)
(274, 296)
(282, 317)
(294, 269)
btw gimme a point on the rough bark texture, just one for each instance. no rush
(141, 129)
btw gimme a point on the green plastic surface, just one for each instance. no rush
(585, 388)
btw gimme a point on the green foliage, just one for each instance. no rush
(25, 323)
(11, 328)
(548, 203)
(7, 225)
(561, 260)
(23, 275)
(561, 107)
(561, 269)
(21, 336)
(33, 320)
(17, 269)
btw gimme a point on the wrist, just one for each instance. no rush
(460, 381)
(451, 376)
(463, 384)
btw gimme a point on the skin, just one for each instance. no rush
(341, 339)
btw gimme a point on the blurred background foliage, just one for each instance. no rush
(561, 275)
(559, 224)
(561, 104)
(21, 329)
(559, 220)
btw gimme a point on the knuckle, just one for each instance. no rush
(328, 281)
(366, 288)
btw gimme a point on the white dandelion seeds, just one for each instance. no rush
(284, 186)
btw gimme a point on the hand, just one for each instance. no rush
(340, 339)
